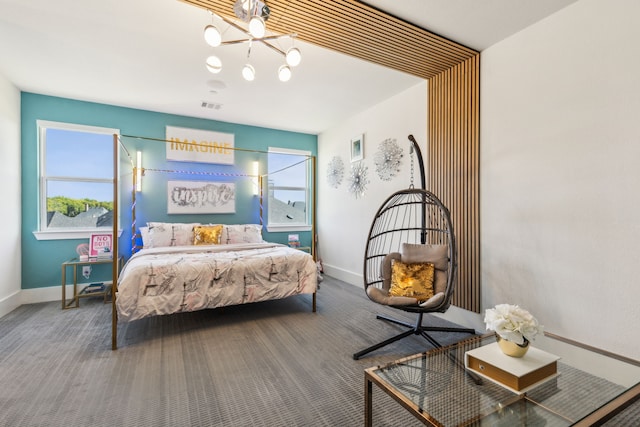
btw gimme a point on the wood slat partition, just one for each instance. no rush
(453, 167)
(354, 28)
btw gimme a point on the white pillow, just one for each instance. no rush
(171, 234)
(146, 239)
(242, 233)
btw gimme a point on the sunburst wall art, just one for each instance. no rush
(387, 159)
(358, 180)
(335, 172)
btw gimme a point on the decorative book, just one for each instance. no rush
(94, 287)
(294, 240)
(518, 374)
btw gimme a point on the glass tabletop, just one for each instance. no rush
(78, 261)
(437, 387)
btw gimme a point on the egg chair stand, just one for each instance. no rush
(411, 220)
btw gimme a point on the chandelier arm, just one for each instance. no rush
(266, 43)
(263, 40)
(233, 24)
(255, 40)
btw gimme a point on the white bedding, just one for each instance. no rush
(187, 278)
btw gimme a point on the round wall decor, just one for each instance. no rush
(358, 180)
(387, 159)
(335, 172)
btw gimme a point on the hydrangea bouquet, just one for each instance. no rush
(512, 323)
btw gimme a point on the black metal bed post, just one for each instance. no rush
(423, 183)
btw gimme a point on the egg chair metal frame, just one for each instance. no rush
(411, 216)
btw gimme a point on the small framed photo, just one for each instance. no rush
(100, 246)
(357, 148)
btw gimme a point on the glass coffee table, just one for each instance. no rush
(438, 390)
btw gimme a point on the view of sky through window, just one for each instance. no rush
(83, 155)
(288, 170)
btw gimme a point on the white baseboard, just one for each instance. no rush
(342, 274)
(36, 295)
(49, 293)
(10, 303)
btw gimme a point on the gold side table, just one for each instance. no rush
(74, 264)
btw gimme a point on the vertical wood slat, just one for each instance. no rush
(453, 167)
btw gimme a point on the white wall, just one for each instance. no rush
(343, 220)
(10, 258)
(560, 168)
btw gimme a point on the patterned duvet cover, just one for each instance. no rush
(173, 279)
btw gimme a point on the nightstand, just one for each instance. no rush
(74, 264)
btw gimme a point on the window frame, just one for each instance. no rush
(44, 232)
(281, 227)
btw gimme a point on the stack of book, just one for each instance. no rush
(516, 374)
(94, 288)
(294, 240)
(105, 253)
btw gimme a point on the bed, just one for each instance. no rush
(173, 266)
(183, 277)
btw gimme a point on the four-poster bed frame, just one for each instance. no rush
(119, 190)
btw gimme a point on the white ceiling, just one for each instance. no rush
(150, 54)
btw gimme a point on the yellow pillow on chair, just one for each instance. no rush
(413, 280)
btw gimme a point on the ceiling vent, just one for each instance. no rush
(210, 105)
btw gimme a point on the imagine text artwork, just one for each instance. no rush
(196, 145)
(200, 197)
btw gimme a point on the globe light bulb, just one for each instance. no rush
(284, 73)
(212, 36)
(293, 56)
(248, 72)
(257, 27)
(214, 65)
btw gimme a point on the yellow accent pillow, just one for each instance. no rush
(412, 279)
(207, 234)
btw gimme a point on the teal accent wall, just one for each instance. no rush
(41, 260)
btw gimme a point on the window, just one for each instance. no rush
(76, 180)
(288, 189)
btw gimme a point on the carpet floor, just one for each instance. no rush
(267, 364)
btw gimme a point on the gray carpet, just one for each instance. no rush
(267, 364)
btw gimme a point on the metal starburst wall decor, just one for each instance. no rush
(335, 172)
(358, 180)
(387, 159)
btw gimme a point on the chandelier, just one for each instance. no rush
(254, 13)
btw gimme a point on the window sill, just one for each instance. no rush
(70, 234)
(285, 227)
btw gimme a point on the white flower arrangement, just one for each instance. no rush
(512, 323)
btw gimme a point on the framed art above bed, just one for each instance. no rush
(200, 197)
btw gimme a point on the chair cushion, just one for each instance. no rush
(436, 254)
(386, 270)
(412, 279)
(434, 301)
(382, 297)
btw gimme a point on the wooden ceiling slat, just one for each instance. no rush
(398, 36)
(395, 46)
(384, 53)
(379, 21)
(356, 29)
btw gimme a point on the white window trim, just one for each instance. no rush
(42, 233)
(284, 227)
(71, 234)
(292, 227)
